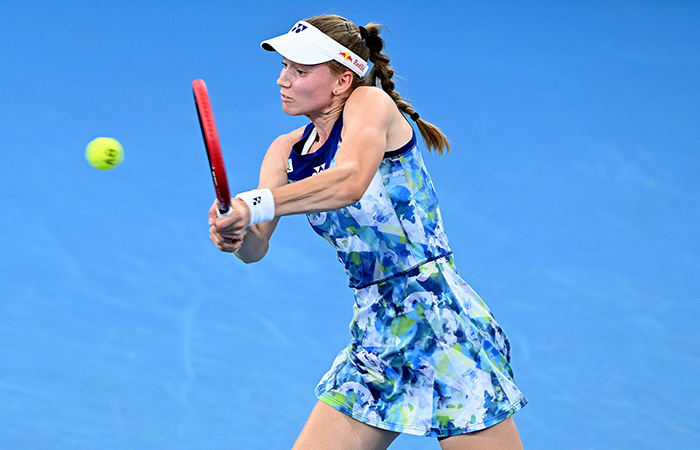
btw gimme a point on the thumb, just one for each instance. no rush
(212, 214)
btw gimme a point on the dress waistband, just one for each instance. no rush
(412, 271)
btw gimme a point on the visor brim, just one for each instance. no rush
(295, 50)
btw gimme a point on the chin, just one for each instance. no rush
(290, 110)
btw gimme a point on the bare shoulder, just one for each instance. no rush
(370, 109)
(370, 97)
(273, 172)
(371, 106)
(285, 141)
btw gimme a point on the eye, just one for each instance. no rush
(300, 72)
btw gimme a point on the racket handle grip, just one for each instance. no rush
(224, 211)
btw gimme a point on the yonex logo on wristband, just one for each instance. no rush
(261, 205)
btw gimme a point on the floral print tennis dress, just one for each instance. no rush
(426, 356)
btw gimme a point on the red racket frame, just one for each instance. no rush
(213, 146)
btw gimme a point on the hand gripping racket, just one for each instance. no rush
(213, 146)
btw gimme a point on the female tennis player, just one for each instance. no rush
(426, 356)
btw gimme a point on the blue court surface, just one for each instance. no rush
(571, 198)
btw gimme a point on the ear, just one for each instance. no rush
(343, 83)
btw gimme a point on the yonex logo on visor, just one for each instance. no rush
(306, 44)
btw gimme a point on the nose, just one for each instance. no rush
(283, 80)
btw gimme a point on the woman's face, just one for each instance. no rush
(306, 90)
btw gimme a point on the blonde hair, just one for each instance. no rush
(366, 43)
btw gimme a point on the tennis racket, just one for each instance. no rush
(213, 146)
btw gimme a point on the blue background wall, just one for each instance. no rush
(570, 197)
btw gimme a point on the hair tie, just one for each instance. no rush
(415, 116)
(363, 33)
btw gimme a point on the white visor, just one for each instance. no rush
(307, 45)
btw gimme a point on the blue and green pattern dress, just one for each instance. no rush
(426, 356)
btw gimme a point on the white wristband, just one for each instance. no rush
(261, 204)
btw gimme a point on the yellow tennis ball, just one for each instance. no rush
(104, 153)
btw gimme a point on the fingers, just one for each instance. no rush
(234, 224)
(213, 212)
(227, 241)
(224, 244)
(227, 233)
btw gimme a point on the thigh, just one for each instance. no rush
(329, 429)
(502, 436)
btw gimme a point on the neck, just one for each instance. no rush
(324, 121)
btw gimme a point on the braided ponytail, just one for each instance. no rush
(382, 75)
(366, 43)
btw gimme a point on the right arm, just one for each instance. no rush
(230, 234)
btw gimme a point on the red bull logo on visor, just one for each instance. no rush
(346, 56)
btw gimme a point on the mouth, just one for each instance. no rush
(285, 98)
